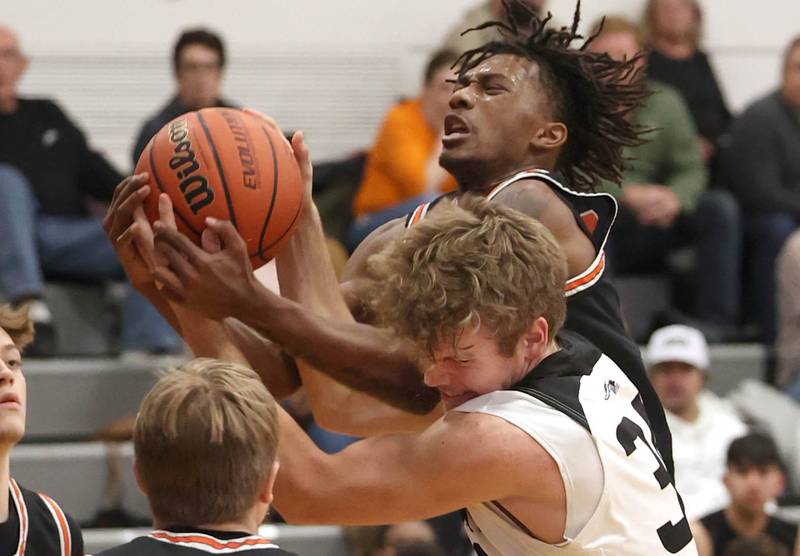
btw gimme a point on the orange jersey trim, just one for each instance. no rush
(22, 511)
(209, 541)
(587, 278)
(61, 523)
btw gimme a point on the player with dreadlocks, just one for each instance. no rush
(526, 108)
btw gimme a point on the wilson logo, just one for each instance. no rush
(195, 187)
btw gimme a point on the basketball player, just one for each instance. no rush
(204, 454)
(545, 441)
(523, 106)
(30, 523)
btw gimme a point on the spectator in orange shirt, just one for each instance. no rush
(402, 168)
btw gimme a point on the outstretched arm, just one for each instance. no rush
(413, 476)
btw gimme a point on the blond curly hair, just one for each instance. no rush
(474, 262)
(17, 324)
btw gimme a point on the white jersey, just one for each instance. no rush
(633, 508)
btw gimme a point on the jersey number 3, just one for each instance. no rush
(674, 537)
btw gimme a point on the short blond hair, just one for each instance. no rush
(17, 324)
(476, 262)
(205, 439)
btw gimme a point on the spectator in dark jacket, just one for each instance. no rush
(47, 175)
(764, 170)
(198, 60)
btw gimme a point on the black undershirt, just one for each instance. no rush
(9, 531)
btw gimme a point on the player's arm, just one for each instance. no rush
(461, 460)
(705, 547)
(131, 235)
(536, 199)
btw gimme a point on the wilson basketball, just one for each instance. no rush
(230, 165)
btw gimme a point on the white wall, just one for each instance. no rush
(341, 62)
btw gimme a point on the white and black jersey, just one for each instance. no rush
(184, 541)
(37, 526)
(593, 308)
(588, 415)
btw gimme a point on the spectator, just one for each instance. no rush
(664, 203)
(198, 61)
(787, 345)
(488, 10)
(702, 426)
(672, 29)
(402, 169)
(386, 539)
(753, 477)
(764, 171)
(28, 520)
(47, 175)
(760, 545)
(205, 444)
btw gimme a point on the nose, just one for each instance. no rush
(435, 376)
(6, 374)
(461, 98)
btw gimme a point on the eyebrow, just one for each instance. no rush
(5, 348)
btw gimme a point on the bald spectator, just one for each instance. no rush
(48, 174)
(702, 426)
(787, 345)
(764, 170)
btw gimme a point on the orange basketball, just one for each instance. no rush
(230, 165)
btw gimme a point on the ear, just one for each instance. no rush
(778, 483)
(553, 135)
(266, 495)
(535, 339)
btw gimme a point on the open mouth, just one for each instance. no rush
(455, 125)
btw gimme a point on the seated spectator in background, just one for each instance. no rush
(488, 10)
(787, 345)
(664, 202)
(28, 520)
(198, 61)
(763, 167)
(672, 30)
(402, 169)
(754, 476)
(760, 545)
(205, 444)
(48, 173)
(702, 426)
(387, 540)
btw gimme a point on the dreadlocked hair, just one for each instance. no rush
(590, 93)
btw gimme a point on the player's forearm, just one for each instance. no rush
(163, 306)
(361, 357)
(277, 369)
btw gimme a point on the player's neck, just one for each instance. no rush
(9, 105)
(5, 476)
(248, 525)
(483, 186)
(746, 523)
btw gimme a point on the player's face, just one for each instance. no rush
(12, 392)
(199, 75)
(753, 486)
(12, 64)
(677, 385)
(496, 110)
(473, 367)
(791, 78)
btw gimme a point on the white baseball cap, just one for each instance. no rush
(680, 343)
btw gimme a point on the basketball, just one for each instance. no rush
(230, 165)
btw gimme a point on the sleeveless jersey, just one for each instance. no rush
(637, 510)
(593, 309)
(41, 526)
(186, 542)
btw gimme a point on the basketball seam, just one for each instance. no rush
(288, 228)
(161, 187)
(219, 169)
(274, 194)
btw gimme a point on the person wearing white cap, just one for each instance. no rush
(702, 425)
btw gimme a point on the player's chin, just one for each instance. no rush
(452, 402)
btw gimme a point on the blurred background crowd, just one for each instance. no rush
(705, 250)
